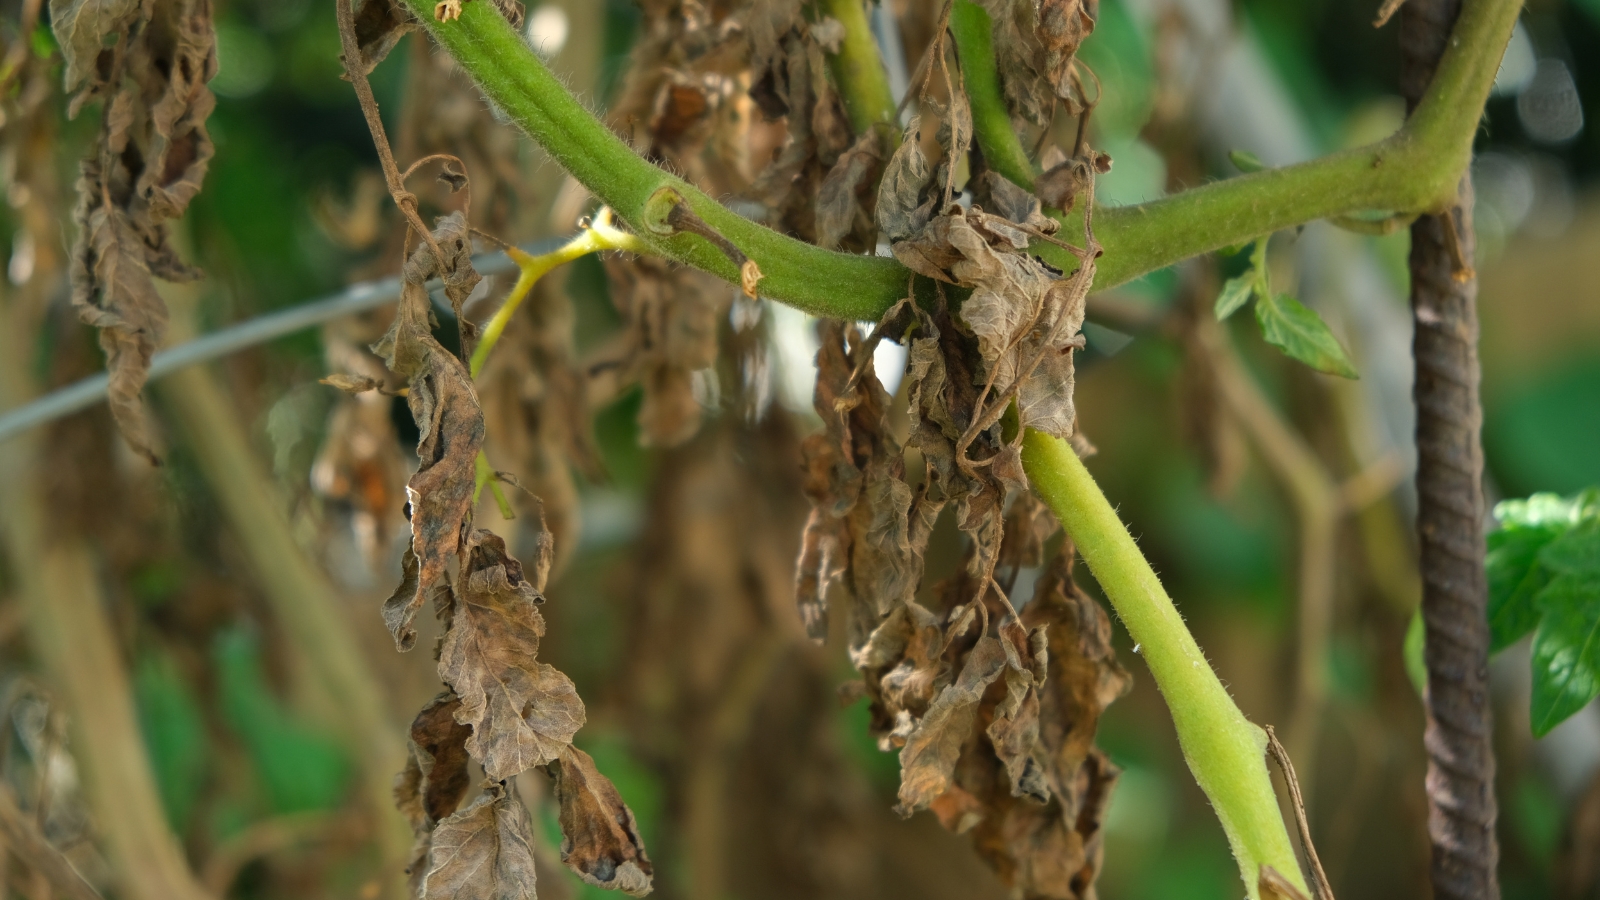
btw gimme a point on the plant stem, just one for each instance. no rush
(1002, 151)
(1225, 751)
(1415, 170)
(858, 72)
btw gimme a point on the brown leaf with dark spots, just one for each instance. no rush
(600, 839)
(81, 28)
(400, 610)
(484, 852)
(928, 760)
(522, 712)
(436, 775)
(445, 406)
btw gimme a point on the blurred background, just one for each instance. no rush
(232, 595)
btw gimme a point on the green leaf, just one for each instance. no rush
(301, 768)
(1566, 650)
(1548, 509)
(174, 735)
(1411, 653)
(1577, 552)
(1246, 161)
(1515, 579)
(1235, 294)
(1300, 333)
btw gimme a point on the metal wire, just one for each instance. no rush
(354, 299)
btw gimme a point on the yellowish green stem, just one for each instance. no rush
(1225, 751)
(598, 235)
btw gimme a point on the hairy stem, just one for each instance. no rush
(991, 121)
(1225, 751)
(1416, 170)
(858, 71)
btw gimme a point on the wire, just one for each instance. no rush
(354, 299)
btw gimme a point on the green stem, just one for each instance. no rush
(1414, 170)
(1225, 751)
(858, 72)
(1002, 151)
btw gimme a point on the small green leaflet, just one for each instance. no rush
(1235, 294)
(1300, 333)
(1543, 568)
(1246, 161)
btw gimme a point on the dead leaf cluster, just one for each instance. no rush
(1035, 45)
(148, 61)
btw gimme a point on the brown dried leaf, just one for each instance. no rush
(523, 712)
(839, 209)
(352, 384)
(380, 24)
(928, 760)
(81, 28)
(444, 404)
(484, 852)
(436, 776)
(600, 839)
(151, 62)
(903, 208)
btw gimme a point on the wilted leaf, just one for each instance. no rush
(380, 24)
(436, 775)
(484, 852)
(444, 404)
(151, 65)
(839, 210)
(902, 209)
(522, 712)
(1301, 334)
(1236, 292)
(82, 27)
(352, 384)
(600, 839)
(929, 757)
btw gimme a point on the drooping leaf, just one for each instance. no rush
(902, 208)
(1301, 334)
(522, 712)
(1566, 649)
(484, 852)
(436, 775)
(1236, 292)
(600, 840)
(444, 405)
(82, 27)
(928, 759)
(839, 209)
(150, 63)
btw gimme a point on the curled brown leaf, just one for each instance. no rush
(484, 852)
(523, 712)
(600, 839)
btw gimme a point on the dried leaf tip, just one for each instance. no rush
(600, 839)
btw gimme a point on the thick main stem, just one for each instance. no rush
(1458, 733)
(1225, 751)
(1415, 170)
